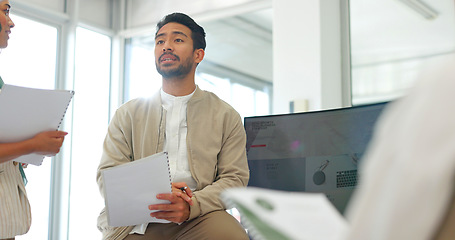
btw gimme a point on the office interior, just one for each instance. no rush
(262, 56)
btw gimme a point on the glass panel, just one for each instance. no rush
(221, 87)
(391, 41)
(26, 62)
(29, 61)
(142, 77)
(243, 100)
(262, 103)
(90, 119)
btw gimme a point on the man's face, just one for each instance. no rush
(5, 23)
(174, 54)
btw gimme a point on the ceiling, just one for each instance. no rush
(390, 30)
(381, 31)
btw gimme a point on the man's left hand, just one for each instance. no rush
(177, 211)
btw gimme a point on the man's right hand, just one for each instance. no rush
(186, 194)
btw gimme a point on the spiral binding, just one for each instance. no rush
(64, 113)
(168, 169)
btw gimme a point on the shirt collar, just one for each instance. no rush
(168, 98)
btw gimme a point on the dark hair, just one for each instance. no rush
(197, 32)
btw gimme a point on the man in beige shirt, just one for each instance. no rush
(203, 135)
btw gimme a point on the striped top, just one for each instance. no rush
(15, 216)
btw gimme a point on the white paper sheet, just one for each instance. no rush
(130, 188)
(289, 215)
(25, 112)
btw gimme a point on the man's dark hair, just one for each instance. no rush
(197, 32)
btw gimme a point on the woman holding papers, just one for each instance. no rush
(15, 217)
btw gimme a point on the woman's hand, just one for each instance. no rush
(47, 143)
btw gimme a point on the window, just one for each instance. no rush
(141, 76)
(248, 101)
(90, 121)
(30, 61)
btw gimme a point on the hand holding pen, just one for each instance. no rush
(178, 208)
(182, 190)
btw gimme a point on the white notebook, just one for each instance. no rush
(130, 188)
(25, 112)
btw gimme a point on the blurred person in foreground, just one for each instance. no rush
(407, 177)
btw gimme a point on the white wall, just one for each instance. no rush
(307, 54)
(96, 12)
